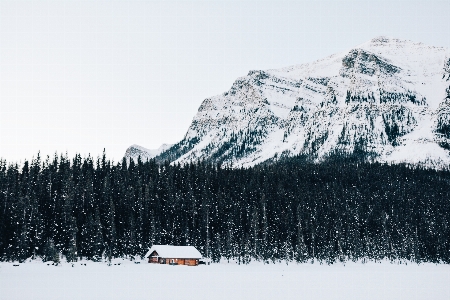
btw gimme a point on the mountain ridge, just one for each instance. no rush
(136, 151)
(387, 98)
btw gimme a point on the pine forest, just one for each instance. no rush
(292, 210)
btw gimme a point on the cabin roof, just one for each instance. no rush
(168, 251)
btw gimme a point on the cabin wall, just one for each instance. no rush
(153, 260)
(179, 261)
(191, 262)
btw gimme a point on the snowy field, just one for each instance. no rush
(36, 280)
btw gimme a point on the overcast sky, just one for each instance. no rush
(80, 76)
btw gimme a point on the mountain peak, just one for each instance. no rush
(384, 99)
(380, 40)
(396, 43)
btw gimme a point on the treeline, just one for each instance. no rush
(291, 210)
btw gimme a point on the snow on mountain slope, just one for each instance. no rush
(388, 99)
(135, 151)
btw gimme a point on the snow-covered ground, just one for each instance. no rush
(36, 280)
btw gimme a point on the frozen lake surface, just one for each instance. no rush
(36, 280)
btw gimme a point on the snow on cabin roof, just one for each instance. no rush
(168, 251)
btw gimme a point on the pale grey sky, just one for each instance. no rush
(80, 76)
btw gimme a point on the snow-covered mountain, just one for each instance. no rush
(387, 98)
(134, 151)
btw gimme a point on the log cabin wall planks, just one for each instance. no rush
(177, 255)
(179, 261)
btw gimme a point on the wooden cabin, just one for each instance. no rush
(173, 255)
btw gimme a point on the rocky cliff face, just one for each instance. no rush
(388, 99)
